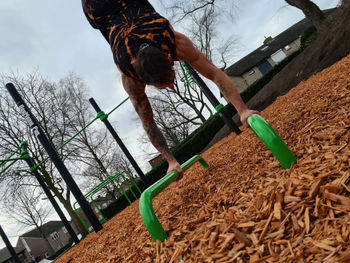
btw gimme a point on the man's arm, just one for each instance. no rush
(138, 98)
(186, 51)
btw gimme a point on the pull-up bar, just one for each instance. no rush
(47, 145)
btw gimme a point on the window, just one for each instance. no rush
(287, 47)
(251, 72)
(264, 67)
(64, 229)
(54, 236)
(278, 56)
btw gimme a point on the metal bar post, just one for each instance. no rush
(9, 246)
(120, 143)
(213, 100)
(49, 148)
(47, 191)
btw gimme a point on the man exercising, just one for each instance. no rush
(144, 47)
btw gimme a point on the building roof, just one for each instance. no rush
(5, 254)
(47, 229)
(266, 50)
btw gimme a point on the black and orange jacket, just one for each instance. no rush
(128, 25)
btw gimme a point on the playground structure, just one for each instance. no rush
(24, 155)
(114, 179)
(34, 125)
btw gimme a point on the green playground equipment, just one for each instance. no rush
(272, 140)
(187, 79)
(111, 179)
(147, 213)
(23, 155)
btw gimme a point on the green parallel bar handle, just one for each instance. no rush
(146, 210)
(219, 108)
(272, 140)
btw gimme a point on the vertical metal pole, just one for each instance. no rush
(120, 143)
(213, 100)
(38, 132)
(46, 189)
(9, 246)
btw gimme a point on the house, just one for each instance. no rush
(256, 64)
(56, 235)
(103, 201)
(6, 257)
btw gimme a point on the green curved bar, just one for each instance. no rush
(147, 213)
(272, 140)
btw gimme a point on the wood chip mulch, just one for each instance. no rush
(245, 207)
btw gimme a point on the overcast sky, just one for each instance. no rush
(54, 37)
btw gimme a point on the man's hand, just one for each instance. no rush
(174, 165)
(245, 114)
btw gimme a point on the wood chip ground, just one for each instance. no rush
(245, 207)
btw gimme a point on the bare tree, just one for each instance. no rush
(310, 10)
(62, 110)
(225, 51)
(182, 9)
(205, 36)
(185, 95)
(174, 119)
(51, 103)
(175, 127)
(98, 153)
(101, 162)
(26, 207)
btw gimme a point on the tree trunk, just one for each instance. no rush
(51, 249)
(311, 11)
(65, 202)
(75, 219)
(67, 205)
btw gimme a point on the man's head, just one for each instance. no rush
(154, 67)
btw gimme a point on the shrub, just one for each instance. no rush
(61, 250)
(120, 204)
(308, 37)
